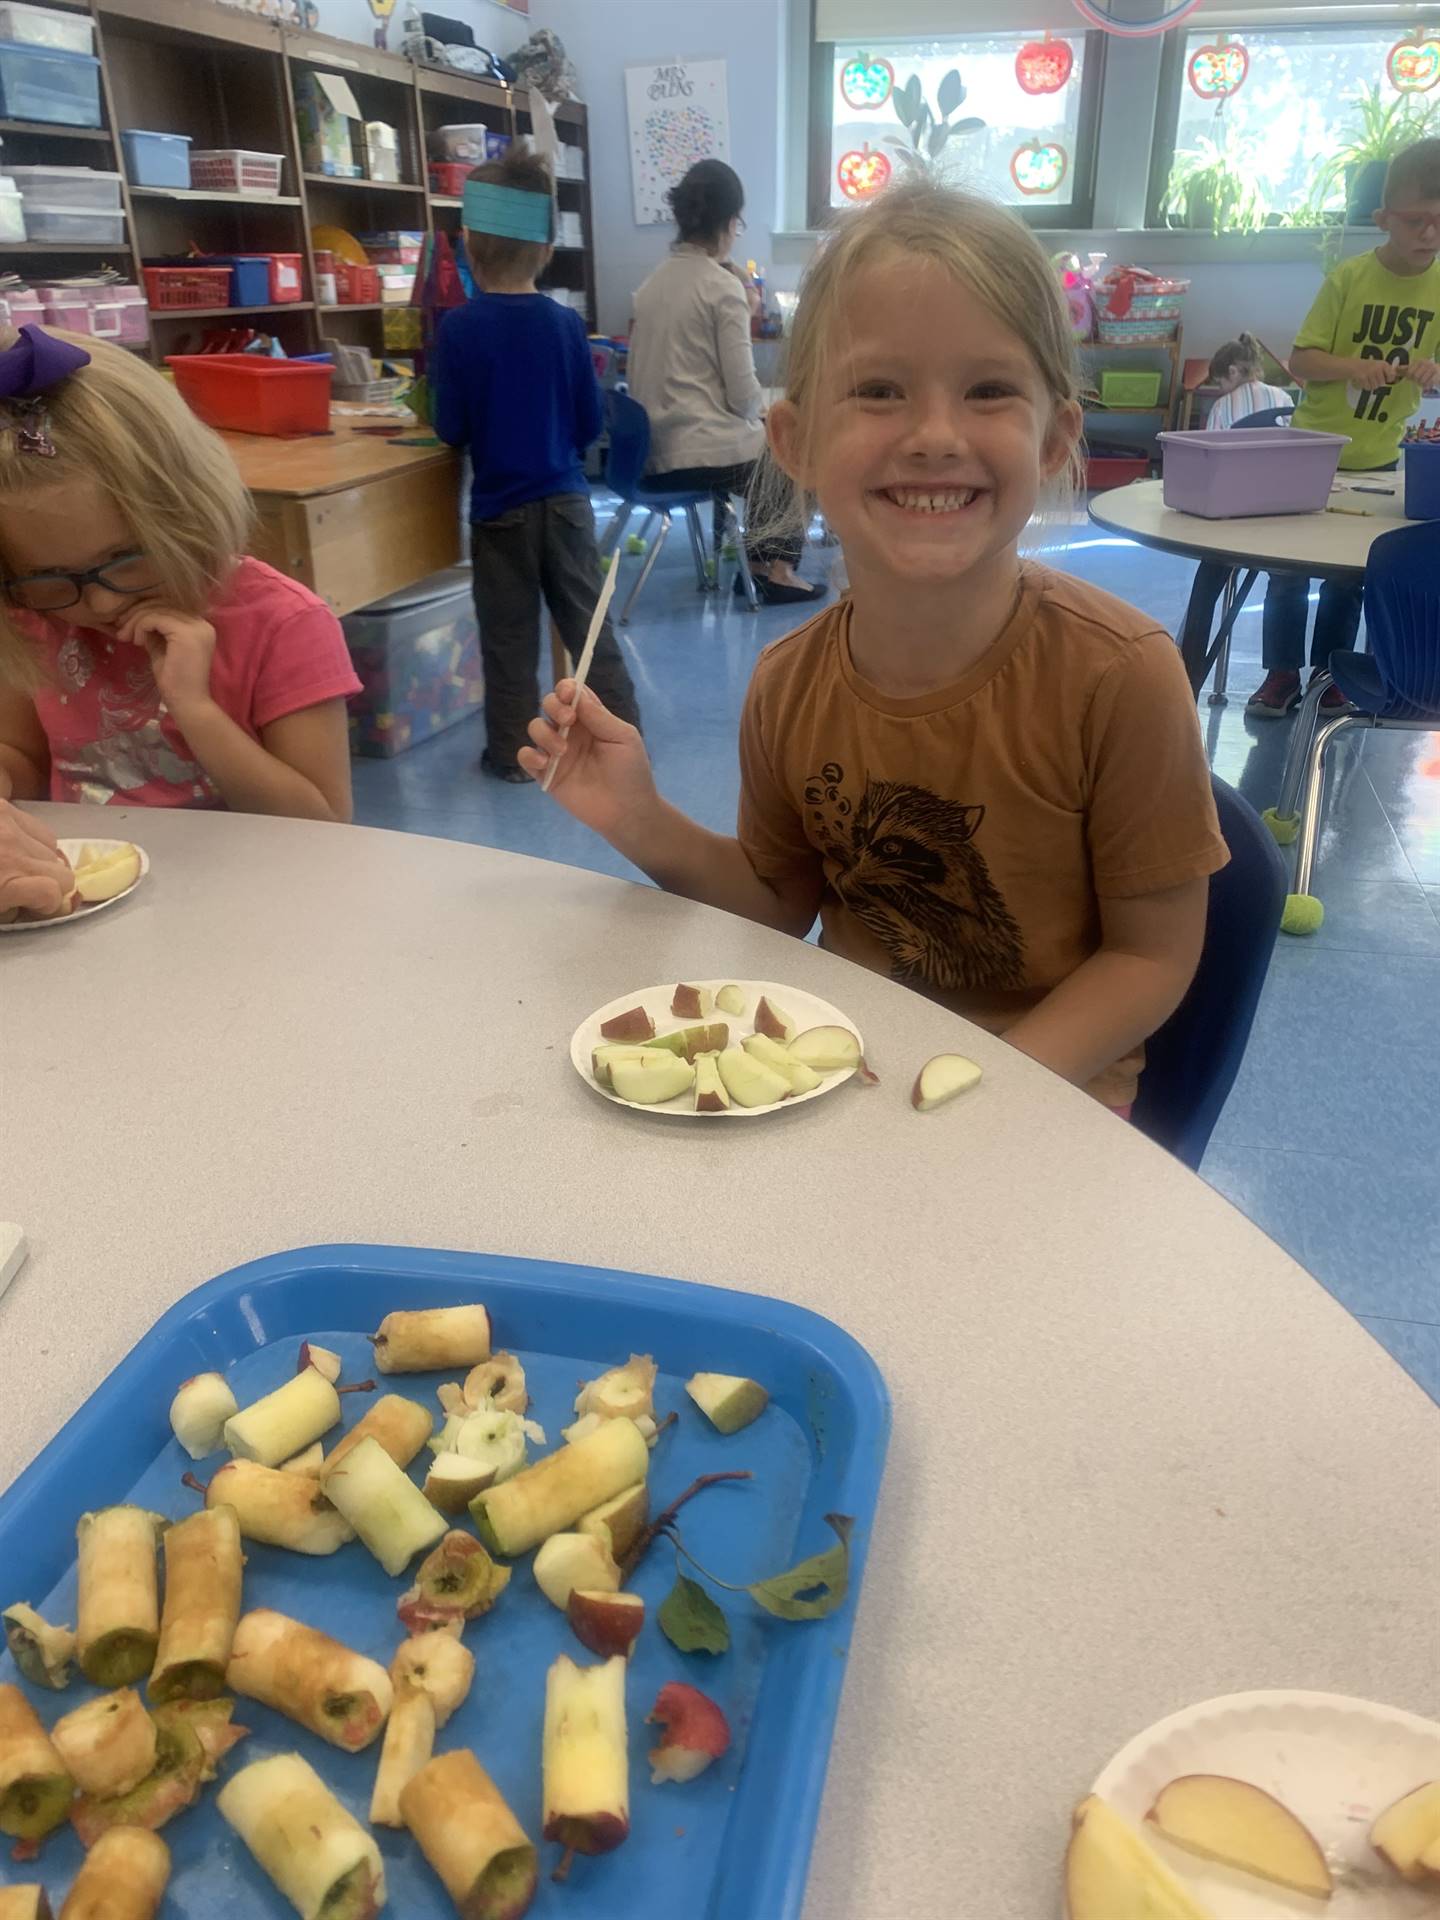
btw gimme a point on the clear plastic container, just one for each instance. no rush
(49, 84)
(462, 142)
(22, 308)
(74, 226)
(69, 187)
(418, 658)
(12, 212)
(1269, 470)
(156, 159)
(47, 27)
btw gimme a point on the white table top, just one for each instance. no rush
(1139, 1457)
(1320, 544)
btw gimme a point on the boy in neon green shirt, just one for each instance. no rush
(1367, 351)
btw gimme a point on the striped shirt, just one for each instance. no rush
(1254, 397)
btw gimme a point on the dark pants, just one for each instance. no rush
(720, 483)
(1337, 620)
(545, 548)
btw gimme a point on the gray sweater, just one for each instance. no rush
(691, 366)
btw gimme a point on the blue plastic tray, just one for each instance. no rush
(735, 1843)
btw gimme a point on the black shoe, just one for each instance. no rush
(508, 771)
(772, 593)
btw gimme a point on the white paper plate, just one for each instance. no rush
(1335, 1763)
(805, 1009)
(71, 851)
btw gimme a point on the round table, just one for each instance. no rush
(1139, 1457)
(1333, 544)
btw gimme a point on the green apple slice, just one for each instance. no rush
(651, 1081)
(770, 1053)
(749, 1082)
(728, 1400)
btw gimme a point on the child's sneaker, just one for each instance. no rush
(1277, 693)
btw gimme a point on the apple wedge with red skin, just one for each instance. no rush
(325, 1363)
(774, 1022)
(605, 1623)
(943, 1079)
(1240, 1825)
(691, 1003)
(826, 1049)
(688, 1043)
(634, 1024)
(695, 1735)
(710, 1094)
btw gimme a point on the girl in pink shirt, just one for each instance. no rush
(143, 660)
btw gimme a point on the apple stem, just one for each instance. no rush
(663, 1522)
(197, 1486)
(567, 1860)
(360, 1386)
(671, 1419)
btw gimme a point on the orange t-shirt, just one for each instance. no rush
(966, 837)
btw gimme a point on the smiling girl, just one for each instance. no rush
(984, 776)
(143, 660)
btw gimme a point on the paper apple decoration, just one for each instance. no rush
(1044, 65)
(863, 172)
(1413, 64)
(1218, 70)
(1039, 166)
(866, 81)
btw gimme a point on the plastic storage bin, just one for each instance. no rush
(22, 308)
(74, 226)
(263, 279)
(47, 27)
(50, 84)
(1130, 389)
(82, 187)
(448, 177)
(169, 288)
(236, 170)
(245, 394)
(1422, 482)
(470, 141)
(1227, 476)
(418, 658)
(12, 211)
(156, 159)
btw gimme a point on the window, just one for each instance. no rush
(1276, 127)
(1009, 113)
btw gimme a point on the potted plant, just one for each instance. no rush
(1380, 129)
(930, 132)
(1214, 186)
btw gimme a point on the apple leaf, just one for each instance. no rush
(816, 1587)
(691, 1621)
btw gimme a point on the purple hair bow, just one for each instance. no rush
(28, 370)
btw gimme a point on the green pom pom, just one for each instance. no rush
(1303, 914)
(634, 544)
(1283, 830)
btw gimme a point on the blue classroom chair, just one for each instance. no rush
(626, 458)
(1191, 1063)
(1393, 685)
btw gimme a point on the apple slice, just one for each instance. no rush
(199, 1411)
(691, 1003)
(453, 1481)
(826, 1049)
(325, 1363)
(728, 1401)
(604, 1622)
(749, 1082)
(942, 1079)
(112, 873)
(802, 1079)
(44, 1653)
(570, 1560)
(1242, 1826)
(619, 1522)
(696, 1733)
(1407, 1828)
(689, 1042)
(309, 1461)
(730, 1000)
(634, 1024)
(584, 1760)
(603, 1058)
(627, 1391)
(1110, 1873)
(774, 1021)
(457, 1582)
(710, 1094)
(653, 1080)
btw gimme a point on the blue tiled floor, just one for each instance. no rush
(1331, 1139)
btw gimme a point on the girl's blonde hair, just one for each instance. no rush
(979, 244)
(117, 422)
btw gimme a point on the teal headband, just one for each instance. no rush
(508, 211)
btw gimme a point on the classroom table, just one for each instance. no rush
(1139, 1457)
(350, 514)
(1330, 545)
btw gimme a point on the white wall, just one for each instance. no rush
(603, 37)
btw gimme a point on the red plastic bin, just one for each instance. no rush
(171, 287)
(356, 286)
(241, 393)
(448, 177)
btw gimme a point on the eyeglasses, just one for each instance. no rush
(126, 573)
(1417, 223)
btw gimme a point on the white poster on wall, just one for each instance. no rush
(679, 113)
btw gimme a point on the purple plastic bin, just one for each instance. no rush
(1225, 475)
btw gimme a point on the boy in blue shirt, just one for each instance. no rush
(515, 385)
